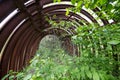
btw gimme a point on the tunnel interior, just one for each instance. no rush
(23, 25)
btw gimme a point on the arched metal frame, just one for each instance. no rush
(21, 31)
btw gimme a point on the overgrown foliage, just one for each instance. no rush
(99, 58)
(100, 43)
(99, 51)
(110, 7)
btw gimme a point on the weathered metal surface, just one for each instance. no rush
(20, 37)
(6, 7)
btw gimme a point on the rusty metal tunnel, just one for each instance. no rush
(23, 25)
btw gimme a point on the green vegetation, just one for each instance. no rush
(98, 47)
(99, 59)
(101, 47)
(110, 7)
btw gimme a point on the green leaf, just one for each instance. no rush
(101, 76)
(74, 37)
(54, 0)
(94, 1)
(114, 42)
(86, 5)
(73, 1)
(59, 0)
(19, 75)
(67, 12)
(27, 77)
(110, 6)
(6, 76)
(82, 71)
(95, 76)
(78, 7)
(11, 77)
(88, 72)
(102, 1)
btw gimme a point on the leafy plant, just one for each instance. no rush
(100, 43)
(110, 7)
(99, 50)
(97, 61)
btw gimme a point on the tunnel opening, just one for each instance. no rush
(49, 43)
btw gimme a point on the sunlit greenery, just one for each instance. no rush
(110, 7)
(98, 47)
(99, 59)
